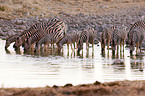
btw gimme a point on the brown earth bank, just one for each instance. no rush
(19, 15)
(118, 88)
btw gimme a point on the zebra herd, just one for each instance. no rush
(54, 31)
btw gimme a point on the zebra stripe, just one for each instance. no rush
(136, 36)
(86, 36)
(49, 27)
(34, 38)
(67, 39)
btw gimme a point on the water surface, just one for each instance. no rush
(21, 70)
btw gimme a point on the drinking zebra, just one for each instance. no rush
(54, 26)
(30, 42)
(136, 35)
(106, 37)
(85, 36)
(67, 39)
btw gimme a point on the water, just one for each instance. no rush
(21, 70)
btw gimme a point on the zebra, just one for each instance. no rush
(54, 26)
(33, 39)
(136, 35)
(106, 37)
(115, 40)
(123, 36)
(85, 36)
(67, 39)
(118, 37)
(136, 38)
(10, 40)
(46, 39)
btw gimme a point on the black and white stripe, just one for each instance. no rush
(54, 26)
(67, 39)
(34, 38)
(85, 36)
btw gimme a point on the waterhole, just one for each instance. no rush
(48, 69)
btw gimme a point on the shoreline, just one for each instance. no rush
(119, 88)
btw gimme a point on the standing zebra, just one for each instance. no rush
(118, 37)
(46, 40)
(53, 26)
(136, 35)
(115, 40)
(106, 37)
(67, 39)
(85, 36)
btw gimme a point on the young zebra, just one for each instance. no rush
(29, 44)
(67, 39)
(10, 40)
(85, 36)
(136, 35)
(106, 37)
(54, 26)
(46, 39)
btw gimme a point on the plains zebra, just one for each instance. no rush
(118, 37)
(67, 39)
(33, 39)
(115, 39)
(54, 26)
(136, 35)
(85, 36)
(106, 37)
(46, 39)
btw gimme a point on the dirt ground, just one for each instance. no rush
(25, 8)
(118, 88)
(10, 9)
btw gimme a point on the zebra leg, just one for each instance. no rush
(74, 45)
(121, 46)
(137, 46)
(108, 43)
(140, 44)
(71, 47)
(87, 45)
(67, 47)
(46, 47)
(118, 50)
(93, 46)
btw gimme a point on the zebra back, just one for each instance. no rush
(136, 24)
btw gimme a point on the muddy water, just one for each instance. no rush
(22, 70)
